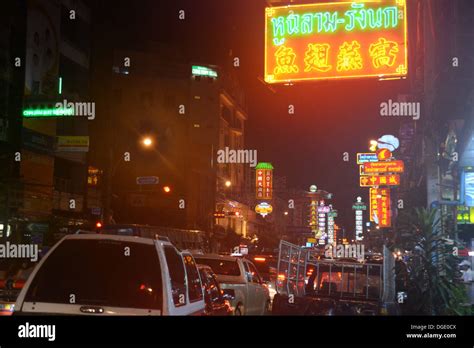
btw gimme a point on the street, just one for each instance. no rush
(247, 158)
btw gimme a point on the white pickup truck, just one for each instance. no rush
(239, 278)
(90, 274)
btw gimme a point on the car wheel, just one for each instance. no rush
(238, 310)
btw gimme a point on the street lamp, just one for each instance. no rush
(147, 141)
(167, 189)
(228, 183)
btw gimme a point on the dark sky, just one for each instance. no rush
(330, 117)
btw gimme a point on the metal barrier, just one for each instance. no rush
(355, 279)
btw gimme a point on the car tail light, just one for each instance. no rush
(18, 284)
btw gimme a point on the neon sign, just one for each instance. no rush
(48, 112)
(367, 38)
(263, 209)
(264, 180)
(197, 70)
(379, 180)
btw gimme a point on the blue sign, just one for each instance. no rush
(96, 211)
(367, 157)
(469, 189)
(147, 180)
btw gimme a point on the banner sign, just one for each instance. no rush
(336, 40)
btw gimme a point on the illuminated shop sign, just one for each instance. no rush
(197, 70)
(336, 40)
(380, 180)
(264, 180)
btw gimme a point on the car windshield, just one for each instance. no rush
(266, 268)
(100, 272)
(221, 267)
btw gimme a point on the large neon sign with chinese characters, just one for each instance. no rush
(336, 40)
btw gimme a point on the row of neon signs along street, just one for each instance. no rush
(336, 40)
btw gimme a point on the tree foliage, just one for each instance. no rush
(433, 275)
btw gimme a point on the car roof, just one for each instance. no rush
(120, 238)
(216, 257)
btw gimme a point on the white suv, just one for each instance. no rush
(239, 278)
(113, 275)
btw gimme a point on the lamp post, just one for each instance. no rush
(146, 142)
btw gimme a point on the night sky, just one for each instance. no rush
(330, 117)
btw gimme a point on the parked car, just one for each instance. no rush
(239, 278)
(113, 275)
(217, 303)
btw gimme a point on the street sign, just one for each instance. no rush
(379, 180)
(366, 157)
(333, 213)
(382, 167)
(147, 180)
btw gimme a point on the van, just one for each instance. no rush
(90, 274)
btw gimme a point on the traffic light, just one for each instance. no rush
(167, 189)
(98, 226)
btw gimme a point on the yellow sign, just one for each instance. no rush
(73, 143)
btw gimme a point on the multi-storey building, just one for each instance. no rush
(47, 183)
(188, 113)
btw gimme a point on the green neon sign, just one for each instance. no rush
(357, 18)
(203, 71)
(49, 112)
(264, 165)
